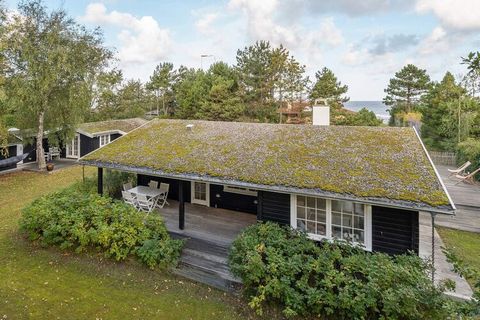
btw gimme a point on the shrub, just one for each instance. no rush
(77, 219)
(331, 280)
(469, 150)
(114, 180)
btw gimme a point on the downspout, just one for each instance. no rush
(433, 214)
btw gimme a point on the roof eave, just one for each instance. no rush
(385, 202)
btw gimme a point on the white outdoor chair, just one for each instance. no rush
(162, 199)
(145, 204)
(129, 198)
(127, 186)
(460, 169)
(54, 153)
(153, 184)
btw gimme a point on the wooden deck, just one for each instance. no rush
(208, 233)
(218, 226)
(467, 200)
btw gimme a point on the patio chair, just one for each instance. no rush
(129, 198)
(153, 184)
(145, 204)
(162, 199)
(459, 170)
(469, 178)
(54, 153)
(127, 186)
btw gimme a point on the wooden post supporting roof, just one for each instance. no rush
(181, 206)
(100, 181)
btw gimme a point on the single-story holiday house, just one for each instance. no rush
(366, 185)
(88, 137)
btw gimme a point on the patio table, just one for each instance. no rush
(147, 191)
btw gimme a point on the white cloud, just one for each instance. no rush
(204, 24)
(264, 22)
(456, 14)
(141, 39)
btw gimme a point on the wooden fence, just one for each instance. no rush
(443, 158)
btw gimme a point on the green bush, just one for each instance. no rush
(283, 267)
(114, 180)
(78, 219)
(469, 150)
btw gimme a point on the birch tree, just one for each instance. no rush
(50, 63)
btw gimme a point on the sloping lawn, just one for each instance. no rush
(466, 245)
(41, 283)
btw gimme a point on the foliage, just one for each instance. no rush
(73, 218)
(50, 60)
(469, 150)
(114, 180)
(161, 84)
(405, 90)
(268, 75)
(328, 87)
(332, 280)
(436, 130)
(472, 61)
(470, 308)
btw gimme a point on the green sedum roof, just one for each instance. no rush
(378, 162)
(124, 125)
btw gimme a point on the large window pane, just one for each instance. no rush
(336, 206)
(311, 214)
(337, 232)
(301, 201)
(310, 202)
(336, 218)
(321, 204)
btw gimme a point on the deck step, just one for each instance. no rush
(206, 262)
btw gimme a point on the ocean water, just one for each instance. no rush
(378, 107)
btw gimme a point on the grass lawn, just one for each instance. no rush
(41, 283)
(466, 245)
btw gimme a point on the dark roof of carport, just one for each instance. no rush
(381, 164)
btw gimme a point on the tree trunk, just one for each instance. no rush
(40, 152)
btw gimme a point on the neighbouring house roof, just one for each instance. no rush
(121, 126)
(13, 139)
(383, 165)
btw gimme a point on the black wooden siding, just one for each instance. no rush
(143, 180)
(394, 231)
(115, 136)
(88, 144)
(232, 201)
(31, 148)
(274, 207)
(12, 152)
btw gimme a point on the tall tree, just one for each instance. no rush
(50, 62)
(161, 84)
(223, 101)
(105, 89)
(328, 87)
(405, 90)
(132, 100)
(268, 75)
(472, 61)
(436, 129)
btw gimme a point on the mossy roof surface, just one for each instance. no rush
(13, 139)
(125, 125)
(380, 162)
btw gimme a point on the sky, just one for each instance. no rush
(364, 42)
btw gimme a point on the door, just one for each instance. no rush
(73, 148)
(201, 193)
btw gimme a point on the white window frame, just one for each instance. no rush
(240, 190)
(70, 148)
(106, 138)
(205, 202)
(367, 221)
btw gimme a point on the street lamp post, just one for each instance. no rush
(205, 56)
